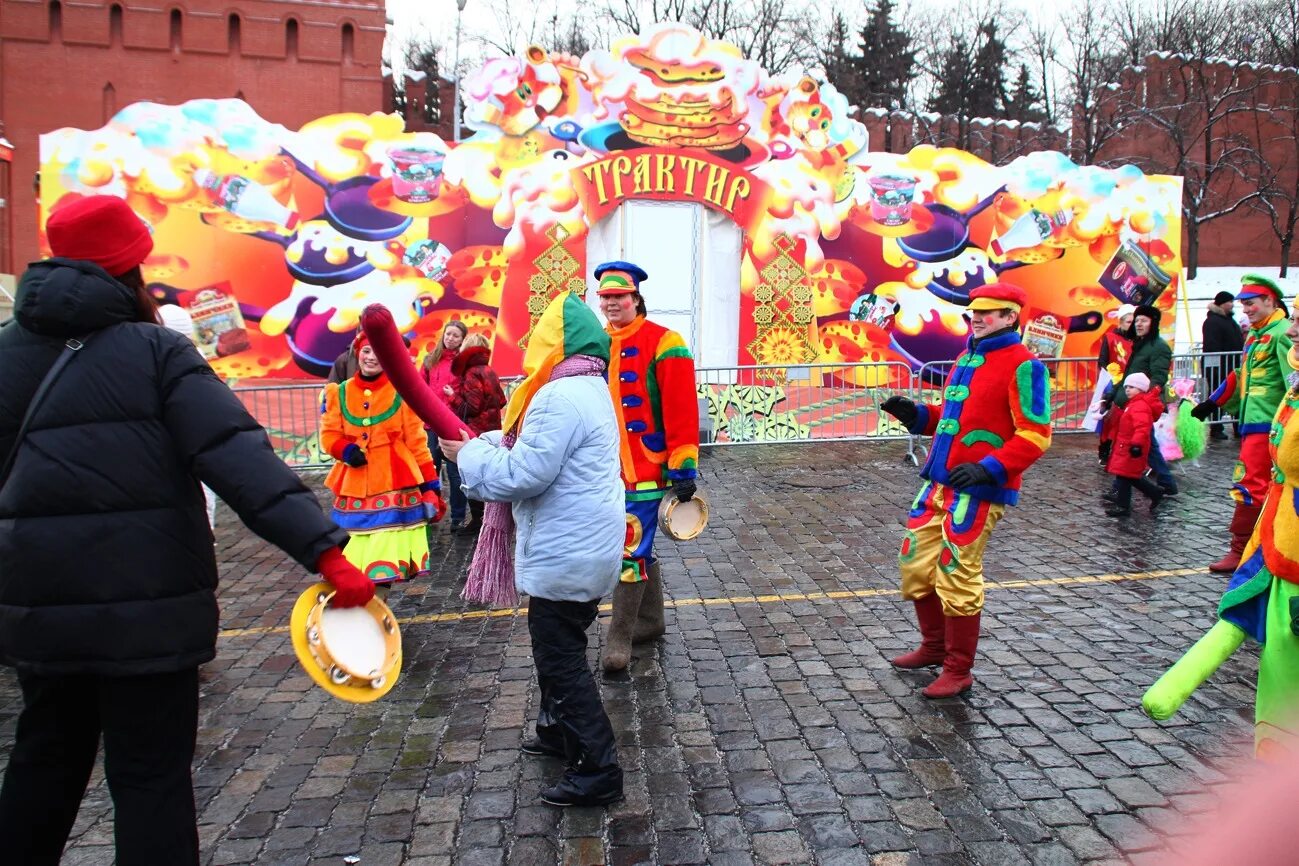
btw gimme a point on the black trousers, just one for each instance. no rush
(149, 724)
(571, 716)
(1125, 485)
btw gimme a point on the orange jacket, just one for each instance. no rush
(375, 418)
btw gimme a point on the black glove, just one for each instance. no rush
(1135, 450)
(902, 409)
(1105, 406)
(684, 489)
(1203, 409)
(969, 475)
(353, 455)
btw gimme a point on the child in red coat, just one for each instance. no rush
(1132, 443)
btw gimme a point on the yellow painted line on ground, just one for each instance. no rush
(782, 598)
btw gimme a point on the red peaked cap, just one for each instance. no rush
(995, 296)
(101, 229)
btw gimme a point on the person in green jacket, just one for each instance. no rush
(1152, 356)
(1252, 395)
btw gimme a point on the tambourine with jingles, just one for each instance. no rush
(353, 653)
(683, 519)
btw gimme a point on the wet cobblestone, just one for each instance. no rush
(760, 730)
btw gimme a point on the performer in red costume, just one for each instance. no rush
(994, 423)
(652, 381)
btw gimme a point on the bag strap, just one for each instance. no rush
(70, 349)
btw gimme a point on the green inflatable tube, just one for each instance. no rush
(1170, 691)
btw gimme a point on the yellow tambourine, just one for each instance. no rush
(353, 653)
(683, 520)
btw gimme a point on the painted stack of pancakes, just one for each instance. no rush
(688, 105)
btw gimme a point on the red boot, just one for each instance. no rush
(962, 641)
(929, 615)
(1242, 527)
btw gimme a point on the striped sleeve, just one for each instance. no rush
(1030, 411)
(678, 405)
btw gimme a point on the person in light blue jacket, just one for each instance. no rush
(558, 464)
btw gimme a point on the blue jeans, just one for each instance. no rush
(449, 475)
(1163, 475)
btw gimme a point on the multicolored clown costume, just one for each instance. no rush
(1261, 602)
(652, 383)
(1251, 395)
(385, 484)
(993, 423)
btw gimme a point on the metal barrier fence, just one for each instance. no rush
(767, 403)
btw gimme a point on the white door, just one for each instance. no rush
(692, 256)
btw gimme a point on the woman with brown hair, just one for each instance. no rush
(478, 401)
(442, 382)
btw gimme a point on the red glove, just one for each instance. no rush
(351, 587)
(435, 507)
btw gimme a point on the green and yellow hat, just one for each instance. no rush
(567, 327)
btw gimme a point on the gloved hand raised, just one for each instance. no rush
(353, 455)
(1203, 409)
(351, 587)
(1135, 450)
(435, 507)
(902, 409)
(968, 475)
(684, 489)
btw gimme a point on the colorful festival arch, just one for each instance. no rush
(276, 239)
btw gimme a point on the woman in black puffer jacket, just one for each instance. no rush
(107, 573)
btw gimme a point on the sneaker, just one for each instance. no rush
(1154, 503)
(1111, 496)
(1168, 491)
(536, 746)
(1118, 512)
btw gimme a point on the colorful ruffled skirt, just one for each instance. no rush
(389, 539)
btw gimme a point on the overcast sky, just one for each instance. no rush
(437, 18)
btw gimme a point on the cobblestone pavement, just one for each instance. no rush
(768, 726)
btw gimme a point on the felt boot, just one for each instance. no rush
(617, 640)
(1242, 527)
(933, 641)
(649, 620)
(962, 642)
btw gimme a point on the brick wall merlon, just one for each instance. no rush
(26, 20)
(202, 34)
(261, 38)
(85, 24)
(147, 28)
(319, 40)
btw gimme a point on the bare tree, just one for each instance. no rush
(1042, 49)
(1279, 43)
(1090, 61)
(1277, 131)
(633, 16)
(1195, 122)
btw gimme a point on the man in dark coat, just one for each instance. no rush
(107, 572)
(1223, 338)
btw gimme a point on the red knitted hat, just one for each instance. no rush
(997, 296)
(101, 229)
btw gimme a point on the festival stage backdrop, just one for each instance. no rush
(277, 239)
